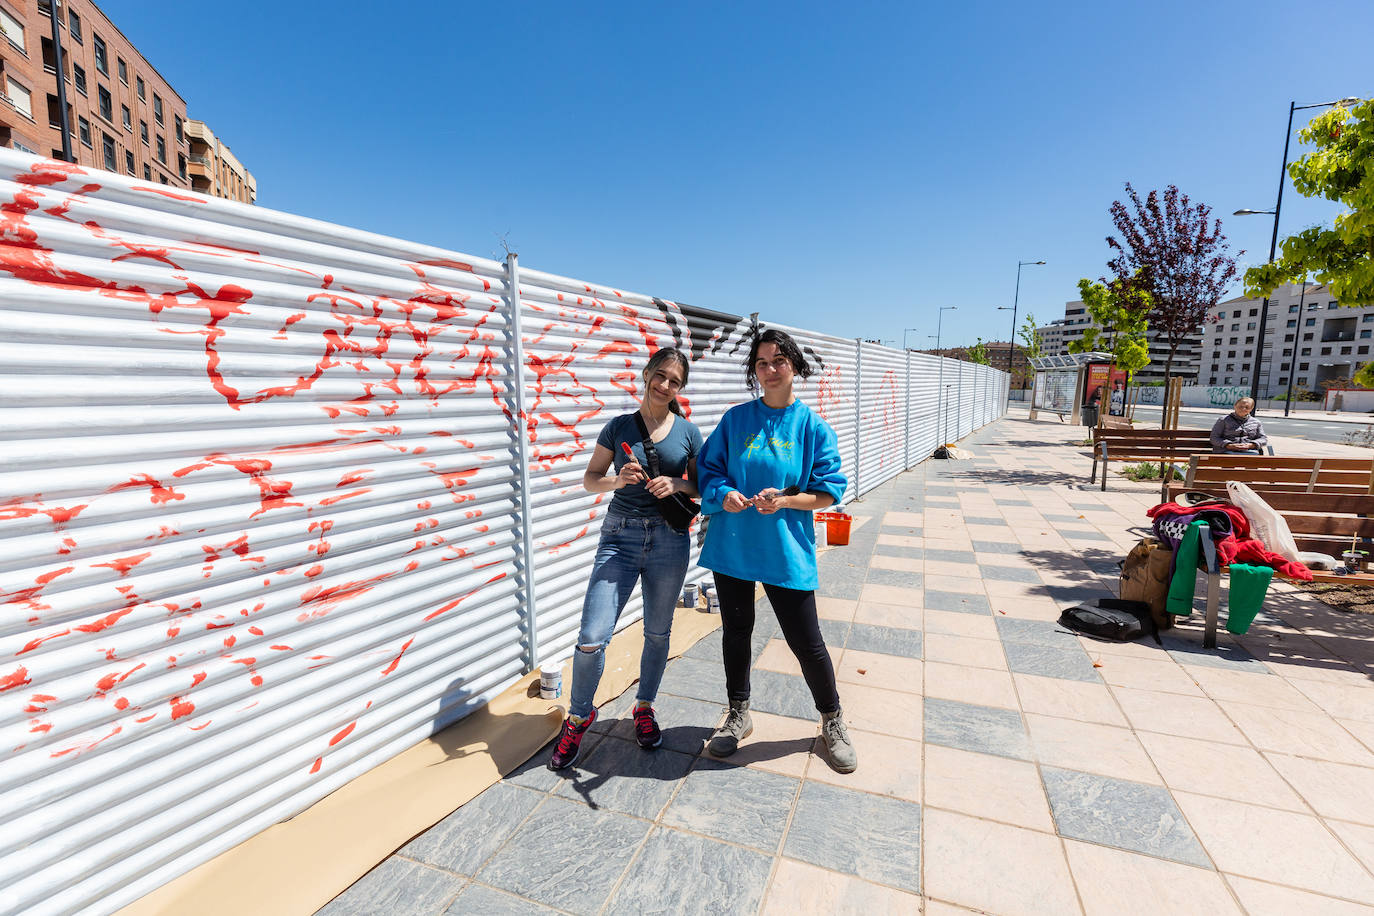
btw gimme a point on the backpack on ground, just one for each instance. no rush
(1110, 618)
(1145, 578)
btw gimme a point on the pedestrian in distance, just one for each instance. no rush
(764, 470)
(1239, 431)
(636, 544)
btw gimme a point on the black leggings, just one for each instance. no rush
(796, 613)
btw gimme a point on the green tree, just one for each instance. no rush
(1029, 339)
(978, 353)
(1341, 168)
(1365, 377)
(1123, 313)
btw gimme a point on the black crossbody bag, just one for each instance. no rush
(679, 509)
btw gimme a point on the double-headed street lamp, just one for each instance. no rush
(1015, 301)
(1274, 236)
(906, 331)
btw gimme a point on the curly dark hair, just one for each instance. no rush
(786, 346)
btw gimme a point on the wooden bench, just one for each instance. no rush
(1110, 422)
(1266, 473)
(1156, 445)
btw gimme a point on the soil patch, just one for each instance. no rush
(1356, 598)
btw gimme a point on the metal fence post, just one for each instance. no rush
(906, 445)
(525, 562)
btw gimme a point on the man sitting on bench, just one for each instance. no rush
(1238, 431)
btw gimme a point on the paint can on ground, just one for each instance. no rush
(550, 682)
(821, 527)
(712, 600)
(690, 593)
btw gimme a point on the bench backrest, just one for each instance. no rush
(1151, 436)
(1324, 522)
(1264, 473)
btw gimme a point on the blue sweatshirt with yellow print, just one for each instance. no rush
(756, 447)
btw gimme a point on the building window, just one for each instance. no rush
(143, 132)
(1250, 339)
(1332, 305)
(129, 161)
(1306, 351)
(106, 103)
(1230, 354)
(1302, 381)
(1215, 367)
(161, 150)
(1326, 351)
(1230, 367)
(1287, 352)
(1236, 313)
(1254, 312)
(1366, 332)
(12, 29)
(84, 130)
(1365, 319)
(147, 172)
(1249, 325)
(108, 143)
(1363, 350)
(74, 25)
(1247, 353)
(1313, 306)
(102, 63)
(126, 117)
(1284, 367)
(157, 108)
(1292, 308)
(1292, 322)
(1233, 340)
(1226, 381)
(162, 178)
(1307, 336)
(79, 78)
(1345, 351)
(20, 98)
(123, 70)
(1236, 327)
(138, 84)
(1302, 367)
(1212, 380)
(1288, 338)
(181, 164)
(1309, 322)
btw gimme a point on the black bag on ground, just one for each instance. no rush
(1110, 618)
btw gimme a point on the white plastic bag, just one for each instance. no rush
(1265, 523)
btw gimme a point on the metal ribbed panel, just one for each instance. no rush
(882, 415)
(831, 391)
(924, 398)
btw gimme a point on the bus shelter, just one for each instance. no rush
(1065, 385)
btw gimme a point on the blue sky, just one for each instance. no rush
(845, 167)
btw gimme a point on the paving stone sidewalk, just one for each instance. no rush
(1005, 764)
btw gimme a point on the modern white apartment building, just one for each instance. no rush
(1309, 338)
(1058, 334)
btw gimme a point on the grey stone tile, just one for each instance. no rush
(1036, 632)
(535, 773)
(781, 694)
(834, 632)
(1072, 536)
(899, 577)
(399, 887)
(1009, 573)
(986, 547)
(969, 727)
(695, 678)
(849, 588)
(733, 803)
(892, 550)
(682, 873)
(1003, 501)
(686, 723)
(875, 837)
(476, 898)
(953, 601)
(1127, 815)
(611, 713)
(984, 520)
(906, 530)
(466, 838)
(706, 649)
(536, 863)
(867, 637)
(950, 556)
(622, 776)
(1186, 648)
(1071, 664)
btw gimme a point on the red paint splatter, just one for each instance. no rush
(181, 707)
(16, 678)
(124, 564)
(170, 194)
(397, 660)
(160, 492)
(343, 733)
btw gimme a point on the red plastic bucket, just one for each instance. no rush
(836, 527)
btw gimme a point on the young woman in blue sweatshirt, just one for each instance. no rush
(769, 464)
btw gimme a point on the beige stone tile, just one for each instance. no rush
(891, 594)
(779, 744)
(1000, 588)
(901, 540)
(1225, 770)
(903, 564)
(947, 539)
(963, 650)
(994, 867)
(1142, 650)
(1025, 608)
(1279, 846)
(987, 532)
(1364, 731)
(986, 786)
(1176, 714)
(1113, 882)
(890, 615)
(887, 765)
(950, 623)
(957, 570)
(887, 712)
(835, 608)
(777, 656)
(801, 888)
(1337, 790)
(1091, 748)
(898, 519)
(940, 908)
(1358, 837)
(1294, 731)
(959, 584)
(1340, 701)
(1147, 674)
(1053, 696)
(875, 669)
(1254, 689)
(983, 686)
(1262, 899)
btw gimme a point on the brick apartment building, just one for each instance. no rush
(123, 116)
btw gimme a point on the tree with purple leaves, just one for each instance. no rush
(1172, 250)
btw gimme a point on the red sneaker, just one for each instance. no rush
(570, 742)
(647, 732)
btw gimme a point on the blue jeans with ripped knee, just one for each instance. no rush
(643, 549)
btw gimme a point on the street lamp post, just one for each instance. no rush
(1274, 236)
(1293, 361)
(1015, 301)
(940, 383)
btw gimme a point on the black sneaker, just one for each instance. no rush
(647, 732)
(570, 742)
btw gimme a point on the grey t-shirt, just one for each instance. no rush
(681, 445)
